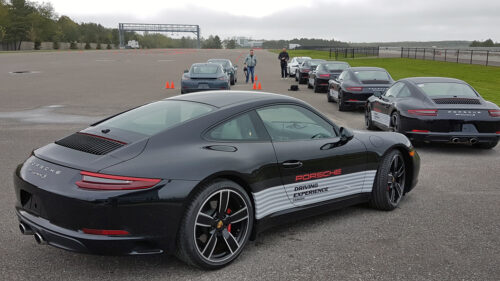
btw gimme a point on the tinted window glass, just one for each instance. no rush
(205, 69)
(239, 128)
(156, 117)
(394, 90)
(335, 66)
(447, 89)
(289, 122)
(300, 60)
(404, 93)
(315, 62)
(371, 75)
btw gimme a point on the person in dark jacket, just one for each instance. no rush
(283, 58)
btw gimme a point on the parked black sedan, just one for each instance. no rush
(302, 73)
(354, 85)
(434, 109)
(204, 77)
(229, 68)
(318, 78)
(201, 174)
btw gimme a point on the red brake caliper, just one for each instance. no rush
(229, 226)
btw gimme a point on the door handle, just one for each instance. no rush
(292, 164)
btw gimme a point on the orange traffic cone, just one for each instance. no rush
(255, 86)
(260, 87)
(256, 78)
(172, 85)
(167, 86)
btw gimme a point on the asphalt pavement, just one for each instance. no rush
(447, 228)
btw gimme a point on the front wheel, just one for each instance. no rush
(389, 185)
(232, 80)
(341, 103)
(396, 122)
(216, 226)
(316, 88)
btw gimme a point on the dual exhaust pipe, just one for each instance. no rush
(471, 140)
(26, 230)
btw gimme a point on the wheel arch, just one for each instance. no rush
(405, 152)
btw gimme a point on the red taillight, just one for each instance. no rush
(355, 89)
(104, 231)
(222, 78)
(324, 75)
(494, 112)
(110, 182)
(352, 100)
(423, 112)
(305, 70)
(498, 132)
(420, 131)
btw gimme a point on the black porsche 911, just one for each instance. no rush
(204, 77)
(318, 78)
(302, 73)
(200, 174)
(229, 68)
(435, 109)
(356, 84)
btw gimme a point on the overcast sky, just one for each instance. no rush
(346, 20)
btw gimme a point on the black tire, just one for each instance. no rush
(309, 86)
(341, 103)
(296, 77)
(328, 97)
(389, 185)
(368, 119)
(316, 88)
(206, 220)
(232, 80)
(396, 122)
(487, 145)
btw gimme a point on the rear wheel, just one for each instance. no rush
(341, 103)
(368, 119)
(216, 226)
(316, 88)
(396, 122)
(389, 185)
(328, 96)
(487, 145)
(296, 77)
(232, 80)
(309, 86)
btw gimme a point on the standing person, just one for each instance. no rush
(250, 63)
(283, 58)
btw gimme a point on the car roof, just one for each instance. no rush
(226, 98)
(218, 60)
(334, 61)
(420, 80)
(205, 63)
(366, 68)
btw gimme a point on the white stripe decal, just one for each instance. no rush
(280, 198)
(381, 118)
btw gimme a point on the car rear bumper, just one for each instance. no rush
(358, 99)
(453, 137)
(151, 217)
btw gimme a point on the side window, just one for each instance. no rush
(291, 122)
(394, 90)
(240, 128)
(404, 93)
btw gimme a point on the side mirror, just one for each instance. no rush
(345, 134)
(186, 71)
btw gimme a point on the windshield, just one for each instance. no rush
(335, 66)
(155, 117)
(224, 63)
(315, 62)
(434, 90)
(204, 69)
(371, 75)
(301, 60)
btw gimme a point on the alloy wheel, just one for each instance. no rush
(396, 179)
(221, 225)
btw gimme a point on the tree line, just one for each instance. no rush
(485, 43)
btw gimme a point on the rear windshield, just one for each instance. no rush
(315, 62)
(371, 75)
(447, 89)
(224, 63)
(301, 60)
(155, 117)
(205, 69)
(335, 66)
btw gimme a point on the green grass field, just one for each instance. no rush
(485, 79)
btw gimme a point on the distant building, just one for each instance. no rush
(292, 46)
(247, 43)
